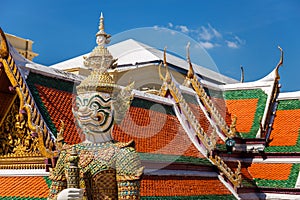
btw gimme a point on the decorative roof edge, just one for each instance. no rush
(23, 172)
(53, 73)
(266, 81)
(27, 104)
(206, 144)
(289, 95)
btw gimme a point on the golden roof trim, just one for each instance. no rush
(35, 122)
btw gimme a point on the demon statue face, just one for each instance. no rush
(94, 112)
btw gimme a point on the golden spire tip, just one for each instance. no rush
(101, 24)
(165, 57)
(190, 73)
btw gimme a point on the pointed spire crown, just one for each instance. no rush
(190, 73)
(99, 61)
(102, 37)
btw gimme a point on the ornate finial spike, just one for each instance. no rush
(101, 33)
(281, 57)
(190, 73)
(168, 76)
(279, 63)
(160, 74)
(99, 61)
(188, 51)
(242, 74)
(101, 24)
(165, 57)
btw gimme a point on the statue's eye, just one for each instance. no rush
(95, 105)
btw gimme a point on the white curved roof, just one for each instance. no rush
(131, 53)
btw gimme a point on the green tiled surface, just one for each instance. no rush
(150, 105)
(289, 183)
(50, 82)
(172, 158)
(286, 105)
(34, 79)
(261, 104)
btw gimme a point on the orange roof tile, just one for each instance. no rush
(285, 128)
(24, 186)
(201, 118)
(59, 106)
(181, 186)
(155, 132)
(270, 171)
(245, 110)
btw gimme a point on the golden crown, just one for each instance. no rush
(99, 61)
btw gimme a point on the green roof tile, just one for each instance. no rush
(261, 104)
(289, 183)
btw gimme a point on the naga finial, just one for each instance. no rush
(242, 74)
(165, 57)
(279, 63)
(168, 76)
(190, 73)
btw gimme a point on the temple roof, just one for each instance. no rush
(175, 153)
(131, 54)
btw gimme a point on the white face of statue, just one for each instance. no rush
(93, 112)
(101, 40)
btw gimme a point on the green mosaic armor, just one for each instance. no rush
(106, 171)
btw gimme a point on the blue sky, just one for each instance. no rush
(233, 32)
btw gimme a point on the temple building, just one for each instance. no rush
(199, 134)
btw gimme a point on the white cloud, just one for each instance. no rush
(207, 45)
(235, 42)
(208, 33)
(208, 36)
(183, 29)
(232, 44)
(215, 32)
(205, 34)
(240, 41)
(155, 27)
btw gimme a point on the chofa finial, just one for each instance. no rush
(242, 74)
(165, 57)
(280, 62)
(190, 73)
(281, 57)
(167, 77)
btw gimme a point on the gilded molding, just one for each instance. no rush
(234, 177)
(35, 123)
(5, 114)
(3, 45)
(23, 166)
(211, 108)
(208, 141)
(192, 79)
